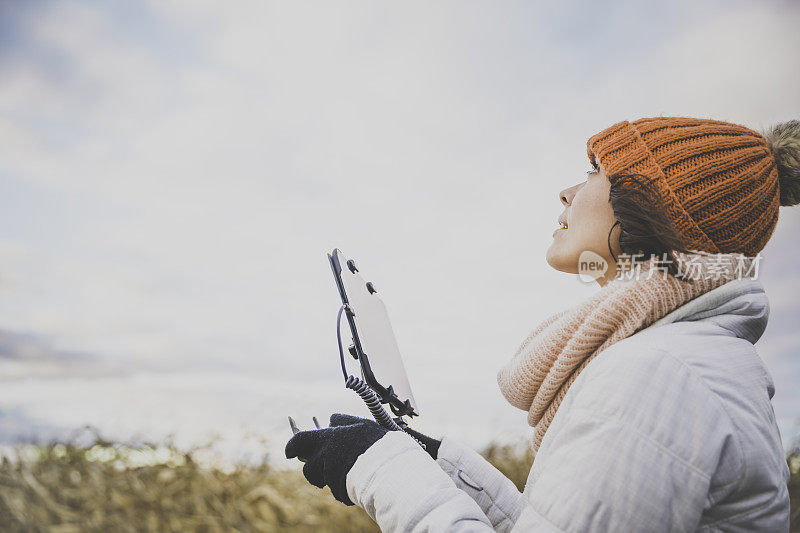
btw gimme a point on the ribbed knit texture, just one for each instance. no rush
(718, 181)
(548, 361)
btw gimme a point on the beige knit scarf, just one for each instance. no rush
(548, 361)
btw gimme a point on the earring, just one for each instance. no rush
(610, 251)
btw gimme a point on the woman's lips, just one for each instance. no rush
(562, 222)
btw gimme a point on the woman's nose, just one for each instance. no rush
(567, 195)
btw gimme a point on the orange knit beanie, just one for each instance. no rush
(719, 183)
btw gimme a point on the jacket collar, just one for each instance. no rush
(739, 306)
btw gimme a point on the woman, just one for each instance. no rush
(650, 406)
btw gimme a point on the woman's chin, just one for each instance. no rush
(561, 261)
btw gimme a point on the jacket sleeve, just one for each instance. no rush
(403, 489)
(400, 486)
(494, 493)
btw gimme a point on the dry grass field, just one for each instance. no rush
(109, 487)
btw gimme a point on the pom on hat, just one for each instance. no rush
(784, 142)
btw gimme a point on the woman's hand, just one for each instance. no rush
(330, 453)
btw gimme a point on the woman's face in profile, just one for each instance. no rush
(584, 225)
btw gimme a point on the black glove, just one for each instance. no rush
(431, 444)
(331, 452)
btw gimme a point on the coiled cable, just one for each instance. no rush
(373, 404)
(365, 391)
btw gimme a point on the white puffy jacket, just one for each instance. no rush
(671, 429)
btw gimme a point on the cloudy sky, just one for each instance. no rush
(173, 173)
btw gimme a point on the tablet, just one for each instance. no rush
(374, 343)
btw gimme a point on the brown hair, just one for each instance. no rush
(644, 228)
